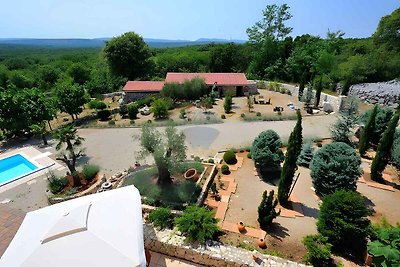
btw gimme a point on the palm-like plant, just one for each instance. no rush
(70, 142)
(40, 130)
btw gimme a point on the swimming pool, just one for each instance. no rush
(14, 167)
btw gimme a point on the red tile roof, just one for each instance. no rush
(133, 86)
(210, 78)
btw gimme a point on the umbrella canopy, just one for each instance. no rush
(102, 229)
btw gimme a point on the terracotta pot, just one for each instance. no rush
(191, 174)
(368, 259)
(241, 227)
(261, 243)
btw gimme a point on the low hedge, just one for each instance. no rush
(225, 169)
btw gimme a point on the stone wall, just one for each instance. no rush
(212, 254)
(385, 93)
(133, 96)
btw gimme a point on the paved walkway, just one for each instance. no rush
(160, 260)
(10, 220)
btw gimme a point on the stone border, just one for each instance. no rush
(212, 254)
(52, 199)
(207, 184)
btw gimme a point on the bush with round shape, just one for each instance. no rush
(133, 110)
(197, 224)
(97, 104)
(210, 160)
(90, 171)
(335, 166)
(249, 155)
(343, 221)
(103, 114)
(318, 250)
(223, 116)
(111, 122)
(230, 157)
(258, 114)
(225, 169)
(161, 217)
(265, 150)
(123, 110)
(242, 115)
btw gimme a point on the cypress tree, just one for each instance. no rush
(318, 89)
(382, 156)
(266, 209)
(368, 132)
(290, 164)
(301, 87)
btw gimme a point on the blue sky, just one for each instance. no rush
(182, 19)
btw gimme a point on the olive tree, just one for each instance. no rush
(335, 166)
(168, 150)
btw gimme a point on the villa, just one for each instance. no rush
(236, 83)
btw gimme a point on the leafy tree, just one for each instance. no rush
(388, 31)
(385, 246)
(128, 56)
(309, 96)
(197, 224)
(79, 73)
(368, 132)
(334, 167)
(306, 155)
(69, 142)
(206, 103)
(343, 220)
(228, 104)
(382, 156)
(71, 98)
(103, 114)
(159, 108)
(290, 164)
(318, 250)
(266, 209)
(48, 76)
(342, 129)
(265, 150)
(168, 150)
(272, 25)
(227, 58)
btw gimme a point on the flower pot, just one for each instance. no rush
(191, 174)
(241, 227)
(261, 243)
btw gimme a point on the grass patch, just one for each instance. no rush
(175, 196)
(275, 117)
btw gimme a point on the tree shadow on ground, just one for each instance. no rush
(370, 204)
(310, 212)
(270, 176)
(278, 231)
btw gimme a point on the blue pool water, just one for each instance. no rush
(14, 167)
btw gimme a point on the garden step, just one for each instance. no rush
(221, 210)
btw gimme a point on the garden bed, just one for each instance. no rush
(176, 196)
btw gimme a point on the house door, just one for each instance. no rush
(239, 91)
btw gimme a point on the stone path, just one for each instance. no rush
(160, 260)
(10, 221)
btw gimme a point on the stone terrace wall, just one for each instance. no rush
(386, 93)
(215, 254)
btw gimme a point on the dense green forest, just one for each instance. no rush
(271, 54)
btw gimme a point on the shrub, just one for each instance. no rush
(266, 209)
(133, 110)
(103, 114)
(306, 155)
(343, 220)
(111, 122)
(97, 104)
(90, 171)
(318, 143)
(385, 246)
(197, 224)
(223, 116)
(382, 118)
(123, 110)
(242, 115)
(265, 150)
(228, 104)
(318, 250)
(225, 169)
(159, 108)
(258, 114)
(249, 155)
(210, 160)
(335, 166)
(368, 132)
(161, 217)
(182, 113)
(56, 184)
(230, 157)
(132, 122)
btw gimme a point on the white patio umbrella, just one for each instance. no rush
(102, 229)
